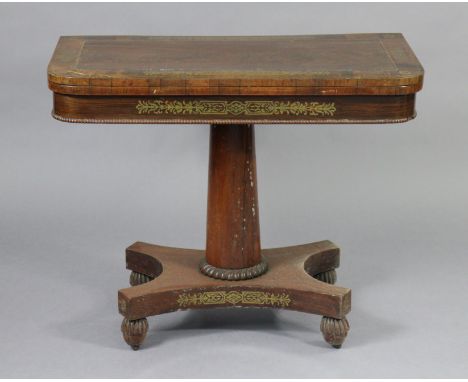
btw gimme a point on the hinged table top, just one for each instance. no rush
(353, 64)
(353, 78)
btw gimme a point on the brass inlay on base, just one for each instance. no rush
(220, 107)
(233, 297)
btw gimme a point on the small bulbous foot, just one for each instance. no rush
(327, 277)
(334, 330)
(139, 278)
(134, 331)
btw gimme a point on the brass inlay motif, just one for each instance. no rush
(209, 107)
(233, 297)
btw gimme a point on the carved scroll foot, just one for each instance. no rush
(328, 277)
(334, 330)
(137, 278)
(134, 331)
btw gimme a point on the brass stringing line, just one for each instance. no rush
(211, 107)
(233, 297)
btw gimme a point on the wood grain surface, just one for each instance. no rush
(347, 64)
(288, 284)
(234, 109)
(354, 78)
(233, 229)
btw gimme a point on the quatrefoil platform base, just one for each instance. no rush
(299, 278)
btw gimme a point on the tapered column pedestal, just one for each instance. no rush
(233, 231)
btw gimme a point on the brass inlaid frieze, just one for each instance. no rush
(250, 108)
(233, 298)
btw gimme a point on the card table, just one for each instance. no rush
(231, 84)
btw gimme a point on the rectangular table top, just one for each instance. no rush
(353, 64)
(353, 78)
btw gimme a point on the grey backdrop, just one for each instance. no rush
(394, 197)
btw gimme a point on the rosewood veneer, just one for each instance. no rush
(232, 83)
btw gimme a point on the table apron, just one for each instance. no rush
(232, 109)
